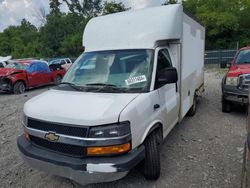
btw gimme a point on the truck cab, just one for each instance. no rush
(236, 82)
(120, 98)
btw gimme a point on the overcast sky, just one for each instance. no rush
(13, 11)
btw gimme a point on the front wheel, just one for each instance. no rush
(152, 167)
(19, 88)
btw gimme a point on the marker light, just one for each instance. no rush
(108, 150)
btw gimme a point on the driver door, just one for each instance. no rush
(168, 93)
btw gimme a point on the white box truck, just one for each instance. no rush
(140, 74)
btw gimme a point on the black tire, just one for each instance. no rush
(152, 169)
(19, 87)
(226, 106)
(193, 109)
(57, 80)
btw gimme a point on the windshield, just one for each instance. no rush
(243, 57)
(18, 66)
(123, 69)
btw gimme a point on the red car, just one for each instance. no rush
(236, 83)
(20, 75)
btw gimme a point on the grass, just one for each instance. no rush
(222, 71)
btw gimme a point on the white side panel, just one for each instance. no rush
(192, 66)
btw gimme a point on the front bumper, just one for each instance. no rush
(4, 85)
(84, 171)
(234, 94)
(4, 88)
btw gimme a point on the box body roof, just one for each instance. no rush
(135, 29)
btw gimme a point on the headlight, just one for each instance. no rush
(232, 81)
(110, 131)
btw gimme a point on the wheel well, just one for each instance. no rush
(58, 75)
(20, 81)
(54, 78)
(158, 127)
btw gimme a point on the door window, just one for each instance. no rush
(163, 62)
(68, 61)
(31, 68)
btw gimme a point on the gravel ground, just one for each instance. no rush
(202, 151)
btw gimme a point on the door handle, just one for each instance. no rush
(156, 106)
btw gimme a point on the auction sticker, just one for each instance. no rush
(135, 80)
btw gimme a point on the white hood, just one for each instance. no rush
(79, 108)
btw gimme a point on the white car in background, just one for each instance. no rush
(4, 61)
(65, 63)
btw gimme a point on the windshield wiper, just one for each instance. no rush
(74, 86)
(107, 87)
(102, 84)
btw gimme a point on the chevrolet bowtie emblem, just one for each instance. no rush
(52, 137)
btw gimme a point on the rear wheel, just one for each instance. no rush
(226, 106)
(193, 109)
(19, 87)
(58, 80)
(152, 167)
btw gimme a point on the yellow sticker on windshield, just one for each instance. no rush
(135, 80)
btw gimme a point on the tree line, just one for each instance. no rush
(226, 22)
(61, 34)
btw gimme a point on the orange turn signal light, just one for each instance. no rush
(109, 150)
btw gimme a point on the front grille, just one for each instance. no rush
(66, 149)
(244, 82)
(69, 130)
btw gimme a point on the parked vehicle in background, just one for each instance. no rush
(65, 63)
(3, 64)
(236, 82)
(245, 181)
(121, 97)
(4, 61)
(20, 75)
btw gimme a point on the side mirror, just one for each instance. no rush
(168, 76)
